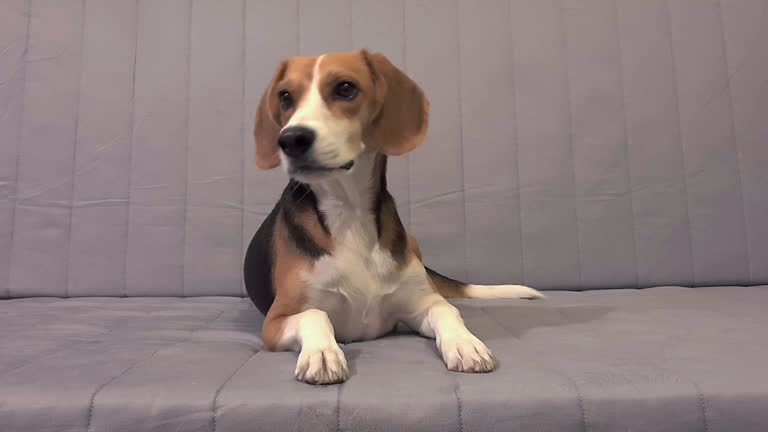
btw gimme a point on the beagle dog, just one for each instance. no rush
(332, 261)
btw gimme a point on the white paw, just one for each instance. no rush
(322, 365)
(466, 353)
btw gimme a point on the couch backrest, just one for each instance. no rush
(575, 145)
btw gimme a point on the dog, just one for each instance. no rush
(332, 262)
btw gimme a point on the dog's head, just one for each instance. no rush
(319, 114)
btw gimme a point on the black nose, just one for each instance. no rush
(296, 140)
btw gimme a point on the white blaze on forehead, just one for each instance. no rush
(337, 139)
(312, 111)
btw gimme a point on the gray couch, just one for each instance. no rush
(614, 153)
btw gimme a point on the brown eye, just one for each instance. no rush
(286, 100)
(345, 90)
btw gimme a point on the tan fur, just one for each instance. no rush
(391, 113)
(338, 67)
(308, 220)
(267, 124)
(403, 111)
(413, 247)
(387, 116)
(389, 224)
(293, 75)
(290, 289)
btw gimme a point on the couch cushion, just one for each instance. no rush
(585, 144)
(661, 359)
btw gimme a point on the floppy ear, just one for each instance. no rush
(267, 126)
(400, 124)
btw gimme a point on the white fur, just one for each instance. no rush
(321, 361)
(461, 350)
(334, 145)
(358, 292)
(356, 284)
(363, 292)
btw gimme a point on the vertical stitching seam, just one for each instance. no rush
(516, 139)
(407, 157)
(579, 402)
(223, 384)
(298, 27)
(626, 145)
(186, 150)
(682, 142)
(351, 35)
(703, 407)
(130, 152)
(338, 408)
(459, 90)
(734, 133)
(459, 405)
(19, 137)
(243, 167)
(68, 257)
(569, 102)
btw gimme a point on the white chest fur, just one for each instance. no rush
(355, 285)
(359, 285)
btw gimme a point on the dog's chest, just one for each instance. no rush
(357, 285)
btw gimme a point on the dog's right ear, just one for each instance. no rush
(267, 126)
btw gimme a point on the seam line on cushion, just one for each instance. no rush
(580, 403)
(186, 151)
(459, 90)
(130, 153)
(338, 409)
(571, 147)
(682, 142)
(92, 405)
(298, 27)
(244, 166)
(459, 405)
(626, 144)
(221, 387)
(406, 156)
(20, 128)
(68, 257)
(735, 141)
(703, 407)
(516, 138)
(350, 25)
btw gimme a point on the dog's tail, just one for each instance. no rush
(451, 288)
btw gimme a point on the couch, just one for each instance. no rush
(611, 153)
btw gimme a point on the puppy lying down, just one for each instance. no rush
(332, 261)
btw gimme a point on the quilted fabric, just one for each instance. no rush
(573, 144)
(656, 360)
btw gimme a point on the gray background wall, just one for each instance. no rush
(574, 144)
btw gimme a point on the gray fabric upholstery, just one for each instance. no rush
(574, 144)
(662, 359)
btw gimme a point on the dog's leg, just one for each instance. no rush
(321, 361)
(461, 350)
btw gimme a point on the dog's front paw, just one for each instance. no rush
(322, 365)
(466, 353)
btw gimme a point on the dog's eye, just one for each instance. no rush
(286, 100)
(345, 90)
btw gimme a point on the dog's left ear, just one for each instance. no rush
(267, 127)
(401, 110)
